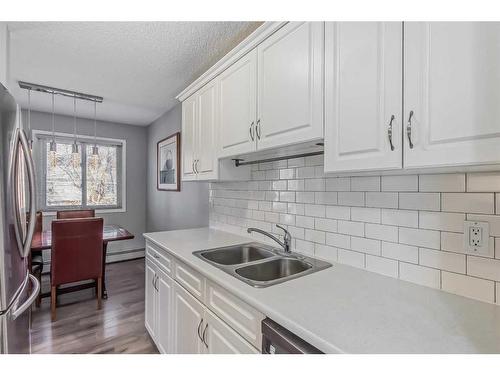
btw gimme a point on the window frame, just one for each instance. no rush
(39, 150)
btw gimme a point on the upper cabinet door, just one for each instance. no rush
(237, 97)
(189, 122)
(290, 85)
(206, 132)
(452, 91)
(363, 89)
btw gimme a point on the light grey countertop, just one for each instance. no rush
(348, 310)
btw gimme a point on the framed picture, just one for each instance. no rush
(168, 163)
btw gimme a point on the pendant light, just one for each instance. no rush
(30, 141)
(53, 144)
(95, 150)
(75, 155)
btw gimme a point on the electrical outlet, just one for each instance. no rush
(476, 237)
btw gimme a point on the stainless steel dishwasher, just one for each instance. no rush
(278, 340)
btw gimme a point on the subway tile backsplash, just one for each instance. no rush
(408, 227)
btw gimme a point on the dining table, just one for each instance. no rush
(111, 233)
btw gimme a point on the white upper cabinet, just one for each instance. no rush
(4, 37)
(237, 103)
(452, 91)
(363, 96)
(206, 133)
(199, 134)
(290, 85)
(188, 142)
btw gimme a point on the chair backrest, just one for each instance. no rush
(77, 250)
(38, 222)
(75, 214)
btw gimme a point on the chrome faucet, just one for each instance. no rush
(286, 244)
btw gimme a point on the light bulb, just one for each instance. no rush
(75, 155)
(94, 158)
(53, 159)
(53, 154)
(75, 159)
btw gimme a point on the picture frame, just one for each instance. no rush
(168, 172)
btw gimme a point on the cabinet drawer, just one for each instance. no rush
(160, 258)
(191, 280)
(236, 313)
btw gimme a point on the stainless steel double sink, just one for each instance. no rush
(259, 265)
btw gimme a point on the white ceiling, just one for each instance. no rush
(138, 67)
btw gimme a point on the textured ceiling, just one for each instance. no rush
(138, 67)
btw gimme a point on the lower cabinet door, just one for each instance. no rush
(222, 339)
(164, 312)
(187, 316)
(150, 299)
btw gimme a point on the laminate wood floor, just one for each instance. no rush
(81, 328)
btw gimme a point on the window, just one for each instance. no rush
(85, 182)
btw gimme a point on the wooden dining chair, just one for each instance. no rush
(74, 214)
(76, 255)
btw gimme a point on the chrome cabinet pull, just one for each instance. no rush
(198, 330)
(258, 129)
(251, 131)
(408, 129)
(196, 165)
(389, 132)
(153, 281)
(203, 338)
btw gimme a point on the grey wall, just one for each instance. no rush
(168, 210)
(134, 219)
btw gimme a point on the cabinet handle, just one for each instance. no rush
(198, 330)
(251, 131)
(156, 282)
(389, 132)
(258, 129)
(408, 129)
(203, 338)
(196, 165)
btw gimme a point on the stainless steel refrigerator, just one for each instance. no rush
(18, 288)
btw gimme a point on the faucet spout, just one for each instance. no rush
(286, 244)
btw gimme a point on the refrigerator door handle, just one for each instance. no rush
(34, 294)
(15, 193)
(32, 188)
(24, 245)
